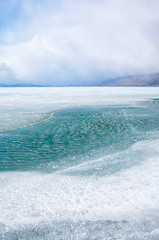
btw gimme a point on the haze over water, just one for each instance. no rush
(79, 163)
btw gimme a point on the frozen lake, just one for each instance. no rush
(79, 163)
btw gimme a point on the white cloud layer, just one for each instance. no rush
(80, 42)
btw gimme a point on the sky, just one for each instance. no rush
(70, 42)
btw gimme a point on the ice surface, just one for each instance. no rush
(131, 195)
(69, 205)
(20, 107)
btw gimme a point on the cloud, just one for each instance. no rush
(6, 74)
(72, 42)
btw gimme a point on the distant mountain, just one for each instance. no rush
(151, 80)
(135, 80)
(21, 85)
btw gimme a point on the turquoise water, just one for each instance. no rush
(81, 172)
(73, 135)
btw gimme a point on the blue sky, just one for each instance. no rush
(77, 42)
